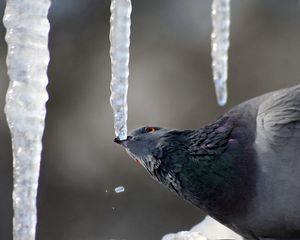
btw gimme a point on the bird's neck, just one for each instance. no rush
(220, 171)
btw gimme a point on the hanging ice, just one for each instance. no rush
(119, 53)
(220, 44)
(27, 59)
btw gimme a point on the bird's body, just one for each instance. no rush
(243, 170)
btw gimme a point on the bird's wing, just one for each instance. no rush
(278, 119)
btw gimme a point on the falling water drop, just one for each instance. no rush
(119, 189)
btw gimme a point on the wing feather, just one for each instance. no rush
(278, 118)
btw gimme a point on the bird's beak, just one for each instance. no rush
(122, 142)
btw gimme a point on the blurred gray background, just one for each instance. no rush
(170, 85)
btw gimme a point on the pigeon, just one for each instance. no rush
(243, 170)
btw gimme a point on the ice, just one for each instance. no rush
(119, 189)
(212, 229)
(27, 60)
(220, 44)
(184, 235)
(119, 53)
(206, 229)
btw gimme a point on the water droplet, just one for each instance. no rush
(119, 189)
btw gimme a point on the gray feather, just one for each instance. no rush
(274, 121)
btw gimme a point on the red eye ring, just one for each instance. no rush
(150, 129)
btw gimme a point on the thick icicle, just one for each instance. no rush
(220, 44)
(119, 53)
(27, 60)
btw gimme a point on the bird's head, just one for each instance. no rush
(160, 151)
(144, 145)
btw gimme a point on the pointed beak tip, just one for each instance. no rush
(119, 141)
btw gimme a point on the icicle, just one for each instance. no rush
(119, 53)
(27, 59)
(220, 44)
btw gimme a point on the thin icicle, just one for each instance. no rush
(119, 53)
(220, 44)
(27, 60)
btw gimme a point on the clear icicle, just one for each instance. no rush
(220, 44)
(119, 53)
(27, 60)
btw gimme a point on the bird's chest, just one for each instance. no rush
(274, 209)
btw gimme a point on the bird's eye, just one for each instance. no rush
(150, 129)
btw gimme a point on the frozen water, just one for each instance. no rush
(220, 44)
(206, 229)
(119, 189)
(27, 60)
(119, 53)
(212, 229)
(184, 235)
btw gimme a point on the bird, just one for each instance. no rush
(243, 170)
